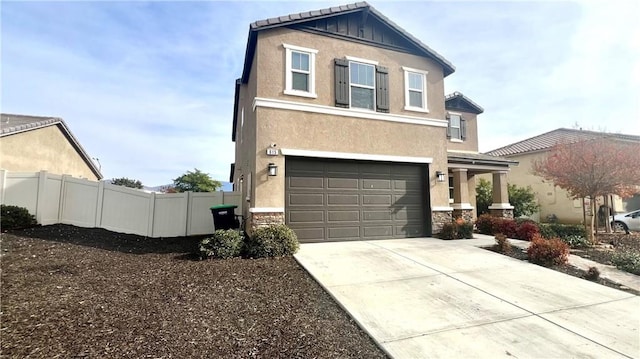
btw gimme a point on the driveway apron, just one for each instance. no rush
(429, 298)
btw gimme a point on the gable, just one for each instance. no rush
(360, 27)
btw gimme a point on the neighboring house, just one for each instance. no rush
(343, 130)
(34, 143)
(555, 201)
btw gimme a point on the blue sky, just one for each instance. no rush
(147, 87)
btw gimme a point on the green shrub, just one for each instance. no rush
(576, 241)
(272, 241)
(223, 244)
(546, 231)
(527, 230)
(14, 217)
(458, 229)
(502, 243)
(566, 230)
(627, 261)
(548, 252)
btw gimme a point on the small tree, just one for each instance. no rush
(196, 181)
(127, 182)
(592, 168)
(522, 199)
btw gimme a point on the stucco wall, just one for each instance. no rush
(42, 149)
(271, 69)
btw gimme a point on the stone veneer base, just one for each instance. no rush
(263, 219)
(466, 214)
(438, 219)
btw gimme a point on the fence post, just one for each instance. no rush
(42, 180)
(152, 214)
(98, 220)
(189, 202)
(3, 182)
(63, 196)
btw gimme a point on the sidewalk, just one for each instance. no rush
(606, 271)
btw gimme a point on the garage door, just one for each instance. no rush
(341, 200)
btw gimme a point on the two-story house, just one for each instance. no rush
(343, 131)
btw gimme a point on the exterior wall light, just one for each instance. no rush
(272, 169)
(441, 176)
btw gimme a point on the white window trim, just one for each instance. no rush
(288, 89)
(407, 103)
(452, 139)
(365, 62)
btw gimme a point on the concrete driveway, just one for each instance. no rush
(428, 298)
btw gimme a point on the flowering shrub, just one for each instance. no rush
(458, 229)
(548, 252)
(505, 226)
(484, 224)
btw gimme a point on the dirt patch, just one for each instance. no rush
(74, 292)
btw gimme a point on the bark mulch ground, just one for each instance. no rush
(70, 292)
(609, 245)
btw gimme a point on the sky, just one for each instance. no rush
(147, 87)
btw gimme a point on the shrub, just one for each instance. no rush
(546, 231)
(223, 244)
(502, 243)
(484, 224)
(592, 274)
(548, 252)
(272, 241)
(505, 226)
(527, 230)
(627, 261)
(458, 229)
(14, 217)
(576, 241)
(566, 230)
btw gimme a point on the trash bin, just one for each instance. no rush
(224, 217)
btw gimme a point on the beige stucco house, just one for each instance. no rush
(555, 201)
(343, 130)
(34, 143)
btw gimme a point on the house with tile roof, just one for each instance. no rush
(36, 143)
(343, 131)
(553, 200)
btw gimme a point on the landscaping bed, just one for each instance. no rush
(609, 245)
(80, 292)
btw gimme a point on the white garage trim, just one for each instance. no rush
(266, 209)
(354, 156)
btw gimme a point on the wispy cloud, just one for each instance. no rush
(147, 87)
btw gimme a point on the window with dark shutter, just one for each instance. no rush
(382, 87)
(448, 126)
(342, 82)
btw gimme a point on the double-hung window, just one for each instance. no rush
(362, 85)
(300, 71)
(415, 90)
(457, 127)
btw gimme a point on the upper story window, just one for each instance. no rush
(457, 129)
(361, 84)
(300, 71)
(415, 90)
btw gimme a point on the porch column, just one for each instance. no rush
(500, 206)
(461, 206)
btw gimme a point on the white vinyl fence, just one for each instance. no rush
(80, 202)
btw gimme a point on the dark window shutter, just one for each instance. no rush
(448, 126)
(342, 82)
(463, 129)
(382, 89)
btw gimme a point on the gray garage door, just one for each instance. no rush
(340, 200)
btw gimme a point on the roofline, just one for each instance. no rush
(236, 99)
(67, 133)
(254, 28)
(471, 103)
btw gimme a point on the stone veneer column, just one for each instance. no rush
(461, 206)
(440, 216)
(500, 206)
(263, 217)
